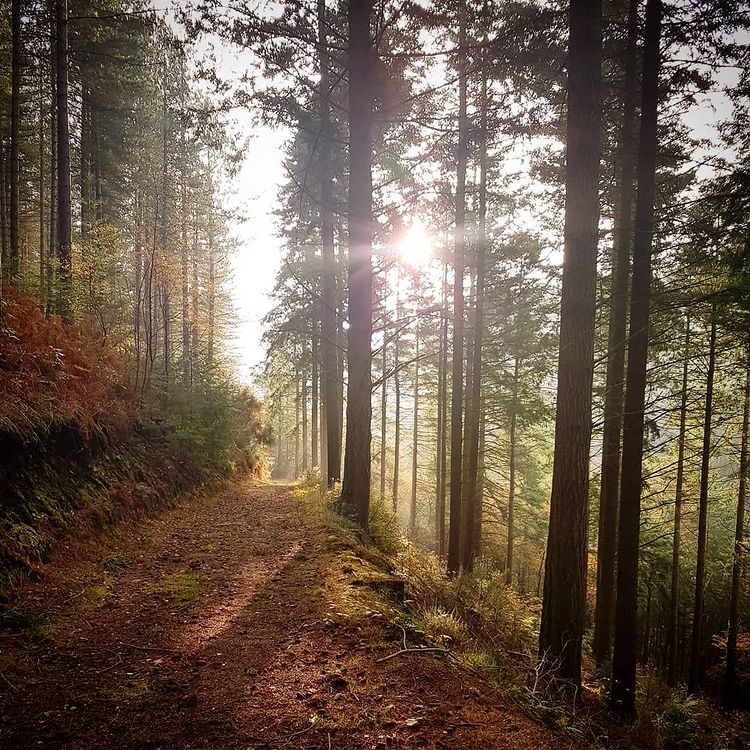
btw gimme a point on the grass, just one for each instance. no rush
(183, 588)
(35, 624)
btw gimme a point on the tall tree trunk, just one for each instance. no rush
(625, 654)
(297, 399)
(53, 172)
(42, 228)
(64, 243)
(329, 349)
(355, 492)
(305, 445)
(696, 640)
(564, 599)
(323, 445)
(480, 480)
(184, 259)
(618, 306)
(459, 251)
(512, 476)
(85, 176)
(138, 276)
(341, 342)
(15, 117)
(730, 676)
(474, 380)
(415, 443)
(397, 405)
(441, 458)
(647, 622)
(211, 335)
(314, 395)
(4, 219)
(384, 406)
(674, 596)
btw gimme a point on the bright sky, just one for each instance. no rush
(252, 196)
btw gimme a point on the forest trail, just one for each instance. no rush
(208, 627)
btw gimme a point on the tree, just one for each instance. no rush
(15, 118)
(624, 655)
(674, 596)
(609, 493)
(329, 349)
(564, 598)
(730, 676)
(696, 641)
(355, 491)
(459, 249)
(64, 240)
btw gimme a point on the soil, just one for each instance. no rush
(210, 626)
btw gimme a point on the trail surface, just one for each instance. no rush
(208, 627)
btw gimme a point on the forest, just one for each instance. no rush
(500, 425)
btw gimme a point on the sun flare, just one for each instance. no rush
(416, 246)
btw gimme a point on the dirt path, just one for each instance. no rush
(210, 628)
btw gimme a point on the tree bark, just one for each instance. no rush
(674, 596)
(564, 598)
(305, 426)
(15, 117)
(696, 640)
(397, 405)
(441, 458)
(618, 306)
(625, 653)
(297, 398)
(355, 491)
(415, 443)
(512, 476)
(4, 218)
(64, 243)
(184, 252)
(457, 367)
(383, 406)
(42, 228)
(52, 244)
(314, 396)
(730, 676)
(329, 327)
(478, 520)
(473, 415)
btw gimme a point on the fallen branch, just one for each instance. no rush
(427, 649)
(9, 683)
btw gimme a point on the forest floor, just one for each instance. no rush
(216, 625)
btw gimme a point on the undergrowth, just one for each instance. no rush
(486, 628)
(83, 451)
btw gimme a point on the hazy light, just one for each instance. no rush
(417, 246)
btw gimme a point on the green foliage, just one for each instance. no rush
(218, 426)
(671, 720)
(384, 528)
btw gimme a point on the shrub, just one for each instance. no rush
(54, 374)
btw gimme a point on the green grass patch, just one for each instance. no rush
(183, 588)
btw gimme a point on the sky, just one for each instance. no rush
(252, 196)
(258, 255)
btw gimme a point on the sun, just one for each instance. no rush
(416, 246)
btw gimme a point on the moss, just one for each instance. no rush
(94, 597)
(114, 564)
(182, 588)
(130, 692)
